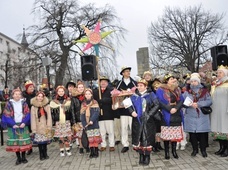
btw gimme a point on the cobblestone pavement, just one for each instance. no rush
(115, 160)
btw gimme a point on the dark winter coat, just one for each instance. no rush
(122, 86)
(170, 97)
(75, 107)
(143, 131)
(28, 97)
(105, 103)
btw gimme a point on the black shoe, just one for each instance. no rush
(174, 151)
(125, 149)
(159, 146)
(96, 153)
(146, 160)
(194, 152)
(141, 159)
(204, 154)
(18, 161)
(18, 158)
(92, 150)
(23, 159)
(155, 149)
(87, 151)
(117, 142)
(81, 151)
(225, 154)
(29, 152)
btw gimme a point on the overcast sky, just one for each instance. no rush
(136, 16)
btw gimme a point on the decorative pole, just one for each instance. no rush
(95, 39)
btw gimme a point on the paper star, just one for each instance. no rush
(94, 38)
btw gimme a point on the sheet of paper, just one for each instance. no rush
(188, 101)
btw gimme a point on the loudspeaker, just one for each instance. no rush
(88, 67)
(219, 56)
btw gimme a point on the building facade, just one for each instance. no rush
(17, 63)
(142, 60)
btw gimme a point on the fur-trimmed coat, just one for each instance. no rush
(60, 110)
(167, 96)
(44, 123)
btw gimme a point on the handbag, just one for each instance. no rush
(206, 110)
(84, 139)
(158, 115)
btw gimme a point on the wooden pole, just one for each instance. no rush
(98, 77)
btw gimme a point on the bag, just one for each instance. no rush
(158, 115)
(84, 139)
(206, 110)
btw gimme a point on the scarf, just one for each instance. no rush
(86, 106)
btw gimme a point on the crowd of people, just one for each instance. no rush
(154, 110)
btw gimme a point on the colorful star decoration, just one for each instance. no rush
(94, 38)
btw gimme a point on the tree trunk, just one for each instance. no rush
(61, 70)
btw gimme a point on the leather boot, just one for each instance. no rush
(29, 152)
(159, 146)
(220, 148)
(166, 144)
(141, 159)
(174, 151)
(18, 158)
(41, 152)
(96, 153)
(91, 152)
(45, 151)
(23, 159)
(146, 160)
(225, 153)
(155, 149)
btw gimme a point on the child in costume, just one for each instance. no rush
(62, 118)
(90, 116)
(41, 123)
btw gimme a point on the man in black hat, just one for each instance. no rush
(106, 119)
(126, 83)
(69, 86)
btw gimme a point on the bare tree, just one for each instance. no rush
(60, 24)
(182, 38)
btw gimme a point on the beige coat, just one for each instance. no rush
(42, 126)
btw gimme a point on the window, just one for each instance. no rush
(0, 40)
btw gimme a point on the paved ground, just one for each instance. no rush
(115, 160)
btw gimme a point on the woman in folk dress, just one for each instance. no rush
(171, 100)
(16, 117)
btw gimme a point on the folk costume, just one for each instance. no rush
(76, 100)
(106, 120)
(90, 113)
(62, 118)
(145, 104)
(219, 116)
(17, 113)
(41, 124)
(28, 95)
(195, 122)
(125, 117)
(170, 97)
